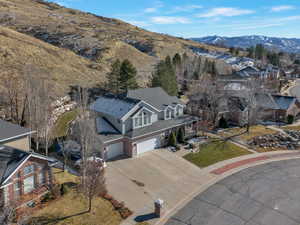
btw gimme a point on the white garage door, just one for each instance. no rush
(148, 145)
(114, 150)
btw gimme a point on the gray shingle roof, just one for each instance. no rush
(10, 159)
(114, 106)
(10, 130)
(156, 97)
(284, 102)
(162, 125)
(266, 101)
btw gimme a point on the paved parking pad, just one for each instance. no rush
(267, 194)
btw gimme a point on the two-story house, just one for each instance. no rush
(139, 121)
(14, 135)
(24, 177)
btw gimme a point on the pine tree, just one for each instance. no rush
(165, 77)
(180, 136)
(113, 78)
(172, 139)
(128, 76)
(177, 60)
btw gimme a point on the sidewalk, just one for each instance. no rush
(226, 168)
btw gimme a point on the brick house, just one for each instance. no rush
(24, 177)
(15, 136)
(139, 121)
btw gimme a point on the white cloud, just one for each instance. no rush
(150, 10)
(185, 8)
(157, 5)
(282, 8)
(169, 20)
(228, 12)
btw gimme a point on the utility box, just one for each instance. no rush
(158, 205)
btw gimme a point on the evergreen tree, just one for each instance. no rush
(113, 78)
(165, 77)
(172, 139)
(128, 76)
(177, 60)
(180, 136)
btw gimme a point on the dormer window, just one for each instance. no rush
(168, 114)
(142, 119)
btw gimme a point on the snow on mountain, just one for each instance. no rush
(291, 45)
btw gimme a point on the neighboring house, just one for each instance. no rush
(139, 121)
(24, 177)
(234, 107)
(14, 135)
(277, 107)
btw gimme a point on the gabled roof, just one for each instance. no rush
(266, 101)
(114, 106)
(11, 159)
(10, 131)
(284, 102)
(103, 126)
(156, 97)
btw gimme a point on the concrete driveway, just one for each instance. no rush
(267, 194)
(164, 175)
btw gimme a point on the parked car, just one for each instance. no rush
(97, 159)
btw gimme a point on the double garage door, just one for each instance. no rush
(147, 145)
(115, 150)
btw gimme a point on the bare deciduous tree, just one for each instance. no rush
(94, 180)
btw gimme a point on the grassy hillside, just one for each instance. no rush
(96, 38)
(61, 66)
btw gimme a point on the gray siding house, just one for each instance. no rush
(139, 121)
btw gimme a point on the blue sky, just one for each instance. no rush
(197, 18)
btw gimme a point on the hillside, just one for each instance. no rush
(291, 45)
(95, 38)
(61, 66)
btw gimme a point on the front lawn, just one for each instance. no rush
(215, 151)
(71, 208)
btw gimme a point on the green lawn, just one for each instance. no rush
(215, 151)
(61, 127)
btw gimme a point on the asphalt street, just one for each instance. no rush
(268, 194)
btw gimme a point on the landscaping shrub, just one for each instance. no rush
(290, 119)
(117, 205)
(172, 139)
(180, 136)
(223, 123)
(125, 212)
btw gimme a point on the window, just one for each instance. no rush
(145, 118)
(28, 170)
(6, 195)
(168, 114)
(28, 184)
(17, 190)
(136, 122)
(42, 177)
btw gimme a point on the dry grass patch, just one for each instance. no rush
(255, 131)
(71, 208)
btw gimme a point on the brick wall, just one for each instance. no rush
(21, 198)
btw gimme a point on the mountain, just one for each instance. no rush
(291, 45)
(60, 66)
(93, 40)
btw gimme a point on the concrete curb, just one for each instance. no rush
(271, 157)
